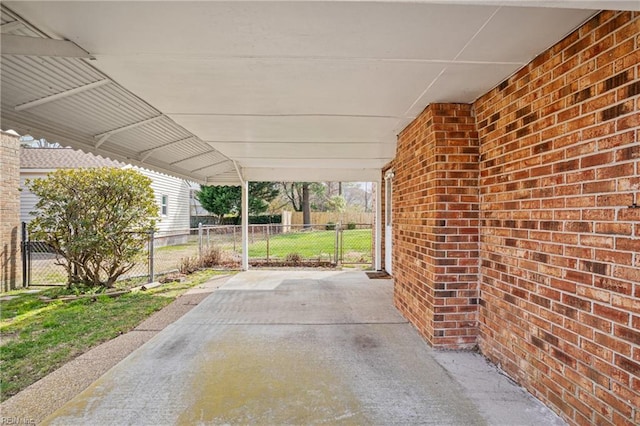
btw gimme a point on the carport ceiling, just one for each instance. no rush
(296, 90)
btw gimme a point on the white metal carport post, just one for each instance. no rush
(245, 225)
(244, 211)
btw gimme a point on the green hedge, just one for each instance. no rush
(262, 219)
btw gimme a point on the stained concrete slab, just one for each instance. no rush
(269, 280)
(498, 398)
(43, 397)
(318, 349)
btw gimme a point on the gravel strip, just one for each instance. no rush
(48, 394)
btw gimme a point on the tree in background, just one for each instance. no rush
(219, 200)
(303, 196)
(95, 220)
(325, 197)
(358, 195)
(306, 206)
(260, 195)
(336, 203)
(227, 200)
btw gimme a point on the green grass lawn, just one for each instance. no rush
(312, 244)
(38, 337)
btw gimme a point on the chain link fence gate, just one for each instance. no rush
(355, 244)
(326, 245)
(39, 261)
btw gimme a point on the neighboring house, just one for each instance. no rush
(172, 194)
(196, 207)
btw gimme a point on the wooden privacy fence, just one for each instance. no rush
(334, 217)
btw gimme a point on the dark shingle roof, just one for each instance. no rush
(61, 158)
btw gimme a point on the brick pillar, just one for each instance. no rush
(10, 260)
(435, 239)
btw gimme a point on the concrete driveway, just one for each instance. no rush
(299, 347)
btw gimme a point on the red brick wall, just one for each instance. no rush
(559, 169)
(10, 260)
(560, 247)
(435, 208)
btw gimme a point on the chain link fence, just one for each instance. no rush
(42, 266)
(269, 245)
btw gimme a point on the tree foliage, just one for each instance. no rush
(299, 194)
(260, 195)
(219, 200)
(316, 196)
(294, 194)
(336, 203)
(227, 200)
(95, 220)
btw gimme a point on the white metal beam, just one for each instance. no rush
(222, 168)
(102, 137)
(102, 140)
(239, 172)
(217, 169)
(147, 152)
(62, 95)
(222, 180)
(10, 26)
(191, 157)
(269, 174)
(37, 46)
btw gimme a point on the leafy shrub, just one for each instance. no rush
(294, 258)
(188, 265)
(211, 257)
(351, 225)
(95, 220)
(330, 226)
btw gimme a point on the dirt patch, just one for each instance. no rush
(286, 264)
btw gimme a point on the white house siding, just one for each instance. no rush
(27, 199)
(175, 223)
(176, 220)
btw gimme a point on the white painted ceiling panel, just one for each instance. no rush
(331, 29)
(461, 82)
(274, 86)
(303, 89)
(243, 150)
(303, 128)
(313, 163)
(314, 174)
(520, 40)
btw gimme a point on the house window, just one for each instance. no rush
(164, 206)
